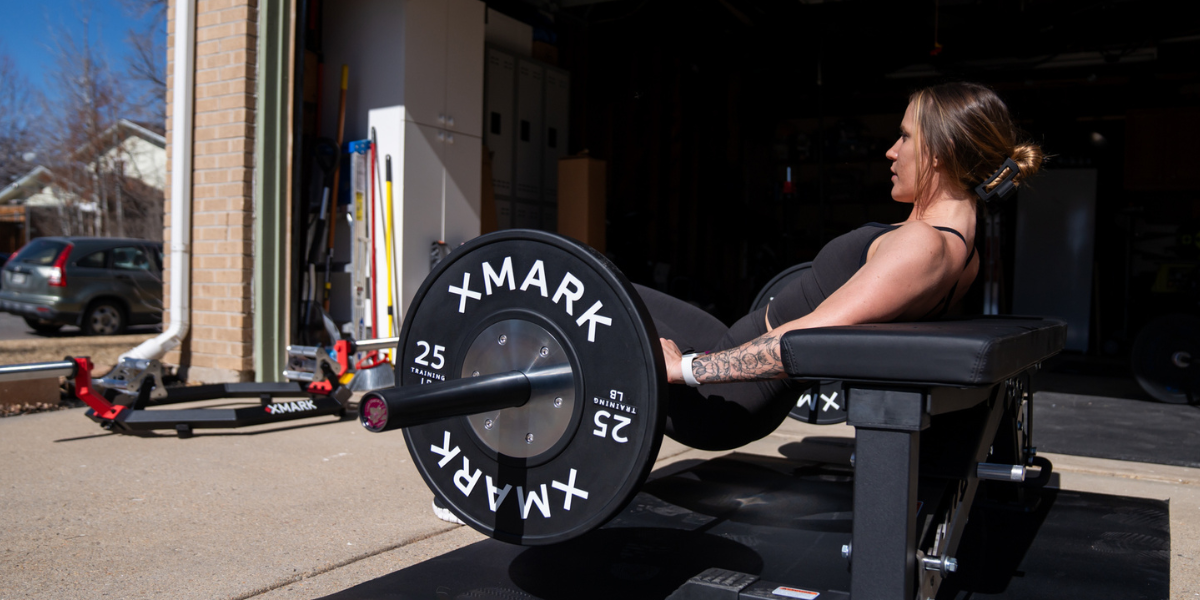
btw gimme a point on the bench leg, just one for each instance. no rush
(884, 539)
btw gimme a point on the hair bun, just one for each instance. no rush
(1028, 157)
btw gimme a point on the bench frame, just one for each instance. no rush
(919, 443)
(889, 421)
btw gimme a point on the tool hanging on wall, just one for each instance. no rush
(387, 248)
(318, 237)
(360, 239)
(437, 251)
(373, 293)
(373, 369)
(333, 201)
(326, 157)
(384, 210)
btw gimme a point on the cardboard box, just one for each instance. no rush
(582, 192)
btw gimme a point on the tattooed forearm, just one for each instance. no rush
(757, 359)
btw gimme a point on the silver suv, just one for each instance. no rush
(103, 285)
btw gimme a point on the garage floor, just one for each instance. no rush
(311, 509)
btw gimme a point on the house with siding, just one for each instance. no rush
(128, 159)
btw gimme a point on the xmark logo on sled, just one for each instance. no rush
(569, 291)
(288, 407)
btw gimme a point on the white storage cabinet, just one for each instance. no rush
(433, 135)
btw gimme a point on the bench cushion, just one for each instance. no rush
(977, 351)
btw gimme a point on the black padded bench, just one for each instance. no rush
(929, 402)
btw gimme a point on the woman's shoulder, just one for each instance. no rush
(920, 242)
(907, 242)
(918, 232)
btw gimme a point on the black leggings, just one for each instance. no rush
(717, 416)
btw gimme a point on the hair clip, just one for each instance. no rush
(1004, 187)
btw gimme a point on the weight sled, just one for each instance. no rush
(315, 390)
(139, 383)
(120, 401)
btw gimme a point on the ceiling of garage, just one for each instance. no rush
(860, 41)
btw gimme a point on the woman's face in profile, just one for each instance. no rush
(903, 155)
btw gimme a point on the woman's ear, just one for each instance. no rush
(935, 164)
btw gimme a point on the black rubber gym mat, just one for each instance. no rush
(1117, 428)
(1073, 546)
(786, 522)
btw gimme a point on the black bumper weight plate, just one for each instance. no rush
(601, 325)
(821, 403)
(1165, 358)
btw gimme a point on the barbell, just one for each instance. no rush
(529, 380)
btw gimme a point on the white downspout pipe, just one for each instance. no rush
(183, 96)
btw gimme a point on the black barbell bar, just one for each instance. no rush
(392, 408)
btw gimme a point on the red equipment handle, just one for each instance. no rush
(85, 392)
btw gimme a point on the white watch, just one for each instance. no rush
(687, 370)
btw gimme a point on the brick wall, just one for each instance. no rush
(218, 345)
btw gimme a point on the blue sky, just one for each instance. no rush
(26, 27)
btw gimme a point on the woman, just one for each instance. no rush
(953, 138)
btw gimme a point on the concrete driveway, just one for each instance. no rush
(308, 509)
(222, 515)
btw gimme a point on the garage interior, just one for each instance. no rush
(739, 136)
(735, 138)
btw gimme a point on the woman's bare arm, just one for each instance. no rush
(909, 264)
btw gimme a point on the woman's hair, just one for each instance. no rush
(967, 128)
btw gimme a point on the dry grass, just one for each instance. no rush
(12, 410)
(103, 350)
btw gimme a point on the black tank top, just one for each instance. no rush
(834, 265)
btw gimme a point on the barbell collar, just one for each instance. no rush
(998, 472)
(376, 344)
(304, 351)
(392, 408)
(304, 376)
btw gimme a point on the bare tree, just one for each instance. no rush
(88, 156)
(19, 107)
(148, 58)
(86, 101)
